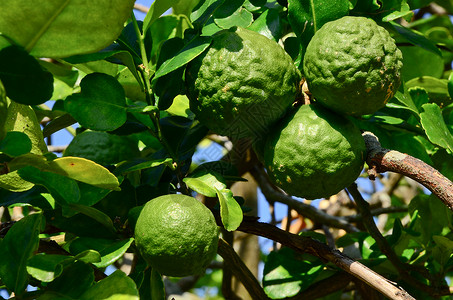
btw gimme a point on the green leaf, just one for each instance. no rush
(450, 85)
(101, 105)
(88, 256)
(95, 214)
(416, 38)
(24, 79)
(84, 170)
(157, 286)
(63, 189)
(117, 286)
(204, 10)
(46, 267)
(63, 28)
(102, 147)
(142, 163)
(434, 125)
(156, 10)
(443, 250)
(287, 273)
(57, 124)
(420, 62)
(268, 24)
(75, 279)
(307, 16)
(230, 211)
(231, 13)
(189, 52)
(17, 247)
(109, 250)
(15, 143)
(205, 182)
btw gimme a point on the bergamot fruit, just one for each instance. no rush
(242, 84)
(177, 235)
(352, 65)
(314, 152)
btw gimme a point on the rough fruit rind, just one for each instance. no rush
(242, 84)
(352, 65)
(314, 153)
(177, 235)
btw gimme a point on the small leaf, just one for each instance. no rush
(230, 211)
(17, 247)
(268, 24)
(240, 17)
(205, 182)
(116, 286)
(416, 38)
(46, 267)
(58, 124)
(24, 79)
(88, 257)
(15, 143)
(189, 52)
(84, 170)
(101, 105)
(435, 127)
(450, 85)
(95, 214)
(142, 163)
(204, 10)
(75, 279)
(158, 7)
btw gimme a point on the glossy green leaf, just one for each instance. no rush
(88, 256)
(205, 182)
(189, 52)
(57, 124)
(101, 105)
(287, 273)
(204, 10)
(307, 16)
(230, 211)
(443, 250)
(75, 279)
(24, 79)
(46, 267)
(450, 85)
(419, 96)
(365, 6)
(404, 97)
(15, 143)
(102, 147)
(268, 24)
(63, 28)
(62, 188)
(420, 62)
(95, 214)
(109, 250)
(17, 247)
(157, 286)
(416, 38)
(231, 13)
(142, 163)
(437, 88)
(434, 125)
(84, 170)
(158, 7)
(116, 286)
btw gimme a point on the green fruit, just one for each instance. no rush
(352, 66)
(314, 153)
(177, 235)
(242, 84)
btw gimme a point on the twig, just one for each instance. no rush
(322, 251)
(240, 270)
(382, 160)
(141, 8)
(377, 212)
(305, 210)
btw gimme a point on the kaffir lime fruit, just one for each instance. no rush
(352, 65)
(314, 153)
(177, 235)
(242, 84)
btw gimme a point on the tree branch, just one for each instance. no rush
(322, 251)
(305, 210)
(240, 270)
(382, 160)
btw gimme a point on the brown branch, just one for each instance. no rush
(141, 8)
(240, 270)
(305, 210)
(377, 212)
(382, 160)
(322, 251)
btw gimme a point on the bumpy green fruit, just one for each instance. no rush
(242, 84)
(177, 235)
(314, 153)
(352, 66)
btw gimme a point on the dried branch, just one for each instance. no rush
(322, 251)
(382, 160)
(305, 210)
(141, 8)
(240, 270)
